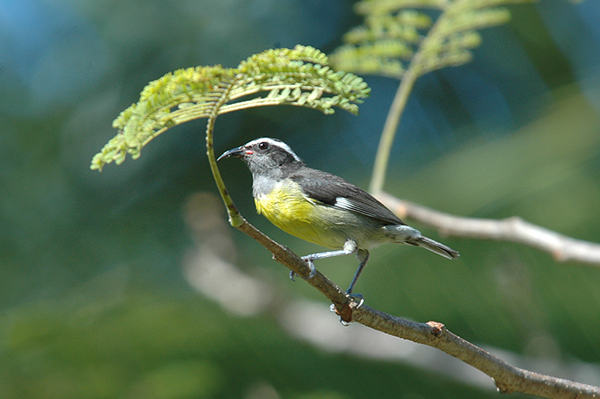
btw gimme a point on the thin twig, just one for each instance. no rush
(513, 229)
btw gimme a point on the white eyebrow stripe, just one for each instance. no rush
(277, 143)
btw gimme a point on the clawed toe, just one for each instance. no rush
(311, 266)
(358, 298)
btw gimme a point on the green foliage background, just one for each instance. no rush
(94, 302)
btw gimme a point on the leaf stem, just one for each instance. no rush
(413, 72)
(389, 130)
(235, 218)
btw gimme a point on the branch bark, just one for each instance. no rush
(507, 378)
(513, 229)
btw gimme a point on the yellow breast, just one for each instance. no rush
(290, 210)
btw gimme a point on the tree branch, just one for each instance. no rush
(513, 229)
(507, 378)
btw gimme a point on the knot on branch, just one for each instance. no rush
(437, 328)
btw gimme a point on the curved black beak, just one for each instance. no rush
(237, 152)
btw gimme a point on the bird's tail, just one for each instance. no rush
(436, 247)
(404, 234)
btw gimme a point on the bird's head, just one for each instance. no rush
(265, 155)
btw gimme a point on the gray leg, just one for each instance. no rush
(363, 256)
(350, 247)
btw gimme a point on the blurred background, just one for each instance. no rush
(130, 283)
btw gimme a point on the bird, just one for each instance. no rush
(322, 208)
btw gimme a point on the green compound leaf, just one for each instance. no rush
(398, 35)
(298, 76)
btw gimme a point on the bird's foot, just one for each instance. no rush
(311, 266)
(345, 311)
(359, 299)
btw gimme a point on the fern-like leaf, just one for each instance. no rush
(383, 44)
(447, 43)
(298, 76)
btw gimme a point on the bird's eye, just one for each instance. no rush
(263, 145)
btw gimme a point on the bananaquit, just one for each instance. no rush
(323, 208)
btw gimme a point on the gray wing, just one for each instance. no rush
(335, 191)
